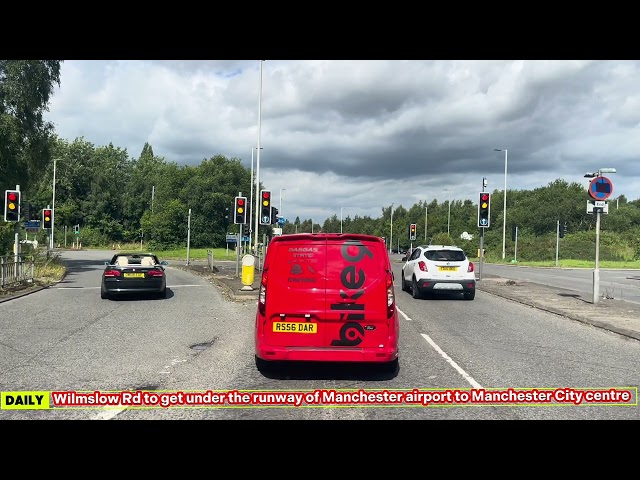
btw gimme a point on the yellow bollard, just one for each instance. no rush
(248, 270)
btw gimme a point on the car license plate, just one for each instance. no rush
(447, 269)
(291, 327)
(134, 275)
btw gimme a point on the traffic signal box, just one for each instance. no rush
(240, 211)
(265, 207)
(12, 206)
(412, 232)
(484, 210)
(47, 217)
(563, 230)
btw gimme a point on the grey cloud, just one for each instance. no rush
(394, 128)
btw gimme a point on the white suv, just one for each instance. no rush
(438, 269)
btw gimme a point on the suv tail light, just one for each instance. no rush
(470, 267)
(422, 266)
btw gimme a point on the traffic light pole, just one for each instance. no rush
(557, 240)
(481, 253)
(484, 189)
(16, 246)
(188, 236)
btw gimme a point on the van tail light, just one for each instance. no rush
(391, 298)
(422, 266)
(111, 273)
(155, 273)
(262, 294)
(470, 267)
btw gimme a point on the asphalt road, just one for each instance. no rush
(66, 338)
(618, 284)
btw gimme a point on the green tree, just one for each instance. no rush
(25, 89)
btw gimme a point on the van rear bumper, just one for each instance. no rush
(332, 354)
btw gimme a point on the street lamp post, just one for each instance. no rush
(449, 213)
(341, 219)
(251, 194)
(391, 233)
(598, 212)
(257, 210)
(53, 204)
(280, 209)
(504, 210)
(426, 212)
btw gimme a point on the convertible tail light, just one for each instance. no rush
(422, 266)
(155, 273)
(470, 267)
(112, 273)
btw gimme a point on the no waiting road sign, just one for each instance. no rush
(600, 188)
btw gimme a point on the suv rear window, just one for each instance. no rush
(445, 255)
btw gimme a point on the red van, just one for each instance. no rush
(327, 297)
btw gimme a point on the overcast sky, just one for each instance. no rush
(360, 135)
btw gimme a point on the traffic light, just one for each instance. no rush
(274, 215)
(514, 233)
(484, 209)
(76, 229)
(265, 207)
(47, 216)
(412, 232)
(245, 230)
(240, 211)
(563, 230)
(12, 205)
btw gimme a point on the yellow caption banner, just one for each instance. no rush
(24, 400)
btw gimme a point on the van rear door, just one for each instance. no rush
(356, 294)
(295, 303)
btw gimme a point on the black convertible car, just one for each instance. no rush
(134, 273)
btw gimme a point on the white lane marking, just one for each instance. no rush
(404, 314)
(448, 359)
(108, 414)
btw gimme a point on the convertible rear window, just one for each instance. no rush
(445, 255)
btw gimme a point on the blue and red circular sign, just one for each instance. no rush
(600, 188)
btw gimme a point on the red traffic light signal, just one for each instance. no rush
(412, 232)
(265, 208)
(47, 217)
(484, 210)
(240, 211)
(12, 206)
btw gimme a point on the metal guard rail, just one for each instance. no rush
(12, 272)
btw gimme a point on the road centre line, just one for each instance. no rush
(443, 354)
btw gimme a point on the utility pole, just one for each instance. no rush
(188, 236)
